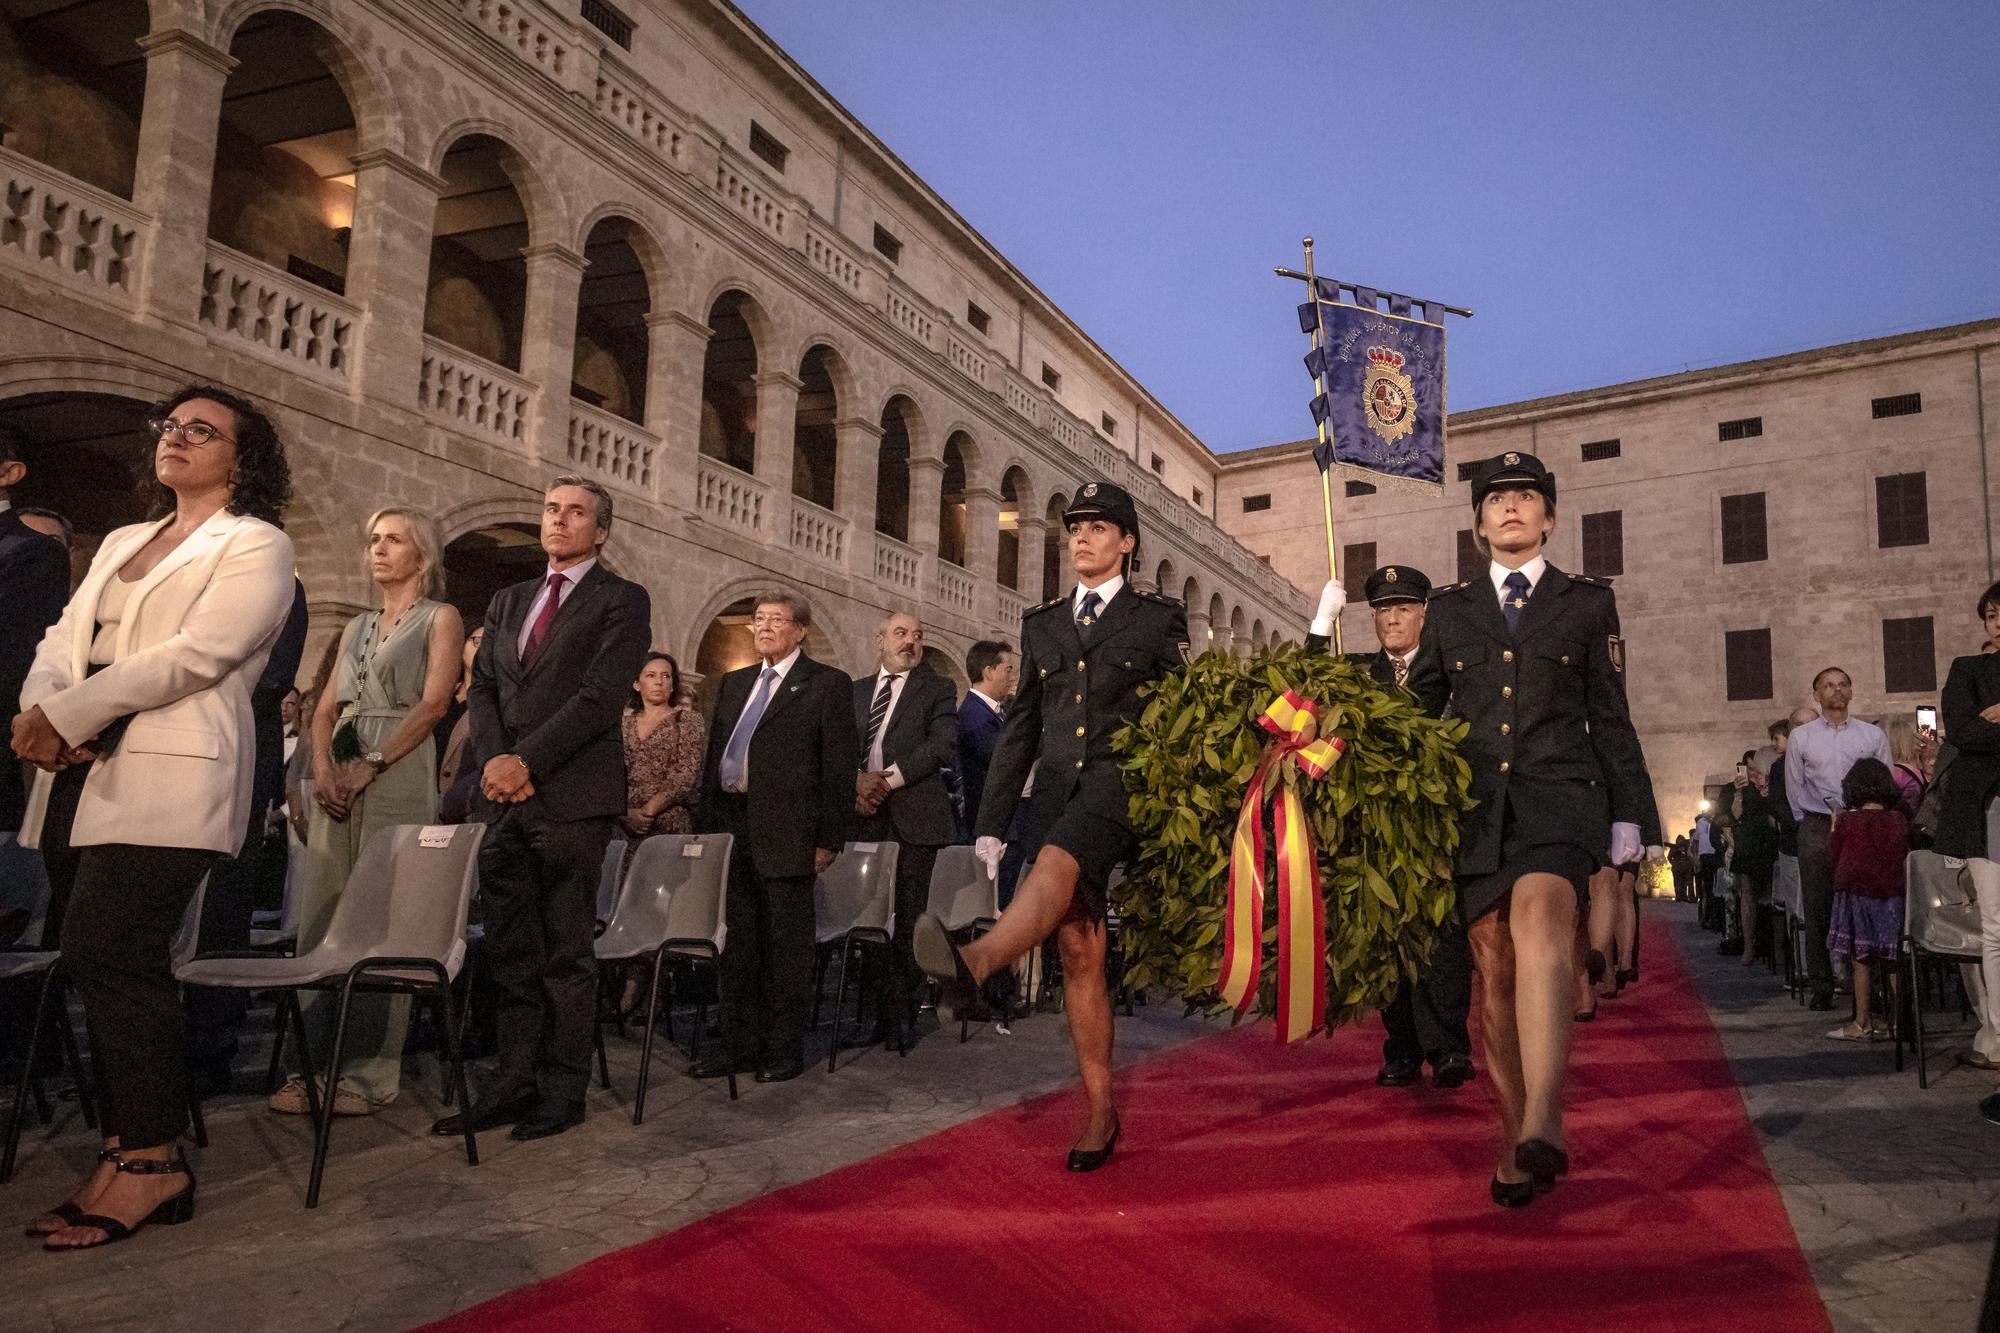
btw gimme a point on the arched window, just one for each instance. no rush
(892, 469)
(478, 279)
(1013, 488)
(951, 500)
(729, 386)
(611, 332)
(815, 444)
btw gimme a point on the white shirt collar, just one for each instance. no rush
(882, 673)
(1498, 573)
(573, 575)
(987, 699)
(1105, 592)
(783, 665)
(1403, 658)
(5, 504)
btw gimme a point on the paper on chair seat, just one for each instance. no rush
(436, 835)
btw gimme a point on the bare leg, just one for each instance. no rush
(1087, 998)
(1628, 921)
(1493, 959)
(125, 1198)
(1746, 914)
(86, 1195)
(1864, 996)
(1604, 915)
(1040, 903)
(1541, 919)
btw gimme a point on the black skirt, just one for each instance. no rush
(1480, 894)
(1100, 846)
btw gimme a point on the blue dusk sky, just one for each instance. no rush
(1618, 191)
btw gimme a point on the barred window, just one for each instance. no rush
(1466, 471)
(887, 245)
(1596, 451)
(977, 318)
(1897, 405)
(1743, 428)
(1902, 510)
(1909, 656)
(1256, 504)
(609, 22)
(1604, 543)
(1743, 536)
(1746, 663)
(1051, 377)
(765, 145)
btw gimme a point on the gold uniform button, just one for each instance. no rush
(1565, 659)
(1079, 698)
(1045, 671)
(1079, 731)
(1507, 656)
(1506, 691)
(1080, 666)
(1079, 763)
(1506, 729)
(1458, 666)
(1504, 765)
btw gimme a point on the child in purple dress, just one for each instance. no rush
(1870, 838)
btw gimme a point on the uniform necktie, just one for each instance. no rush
(1086, 612)
(737, 753)
(1515, 599)
(878, 713)
(538, 633)
(1402, 669)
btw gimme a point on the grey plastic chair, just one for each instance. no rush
(611, 877)
(675, 904)
(854, 908)
(283, 933)
(399, 927)
(965, 898)
(1940, 920)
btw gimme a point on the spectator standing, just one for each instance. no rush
(137, 713)
(1908, 762)
(374, 766)
(458, 766)
(1754, 854)
(1870, 838)
(994, 669)
(1817, 758)
(663, 746)
(34, 574)
(1969, 814)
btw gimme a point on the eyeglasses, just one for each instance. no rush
(775, 622)
(196, 433)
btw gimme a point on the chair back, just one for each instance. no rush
(1786, 890)
(676, 888)
(611, 877)
(187, 940)
(1940, 912)
(962, 894)
(407, 896)
(857, 892)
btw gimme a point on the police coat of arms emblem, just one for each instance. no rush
(1389, 398)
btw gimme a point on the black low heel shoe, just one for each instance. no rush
(1519, 1194)
(938, 955)
(1081, 1160)
(172, 1212)
(1542, 1160)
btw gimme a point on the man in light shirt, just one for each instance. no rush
(1817, 757)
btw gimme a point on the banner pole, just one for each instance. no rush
(1322, 455)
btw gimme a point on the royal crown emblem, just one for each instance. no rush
(1511, 460)
(1389, 399)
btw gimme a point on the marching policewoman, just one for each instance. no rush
(1531, 658)
(1084, 657)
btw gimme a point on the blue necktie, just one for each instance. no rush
(737, 753)
(1086, 613)
(1515, 599)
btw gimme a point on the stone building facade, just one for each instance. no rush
(460, 246)
(1760, 521)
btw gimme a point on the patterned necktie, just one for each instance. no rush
(736, 754)
(878, 713)
(1515, 599)
(1402, 669)
(538, 633)
(1086, 613)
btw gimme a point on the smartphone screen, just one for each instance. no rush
(1926, 718)
(1741, 772)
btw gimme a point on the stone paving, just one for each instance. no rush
(1891, 1189)
(1894, 1190)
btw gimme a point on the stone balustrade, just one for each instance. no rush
(732, 497)
(896, 565)
(279, 316)
(67, 231)
(829, 255)
(906, 312)
(820, 534)
(954, 588)
(473, 394)
(611, 448)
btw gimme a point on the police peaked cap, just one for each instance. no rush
(1105, 500)
(1511, 469)
(1397, 583)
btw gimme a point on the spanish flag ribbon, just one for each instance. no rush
(1294, 725)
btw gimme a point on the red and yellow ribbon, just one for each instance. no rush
(1294, 723)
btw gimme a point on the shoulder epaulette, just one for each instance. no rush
(1449, 587)
(1592, 579)
(1052, 602)
(1162, 599)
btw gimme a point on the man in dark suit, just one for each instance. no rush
(994, 669)
(552, 675)
(1084, 658)
(1426, 1020)
(34, 585)
(907, 721)
(779, 778)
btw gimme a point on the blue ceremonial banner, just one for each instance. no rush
(1383, 401)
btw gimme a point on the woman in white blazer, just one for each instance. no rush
(137, 714)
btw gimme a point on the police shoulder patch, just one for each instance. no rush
(1615, 647)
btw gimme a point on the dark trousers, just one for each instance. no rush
(1426, 1020)
(913, 894)
(1816, 897)
(125, 906)
(767, 964)
(539, 879)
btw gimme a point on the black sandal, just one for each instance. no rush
(69, 1210)
(172, 1212)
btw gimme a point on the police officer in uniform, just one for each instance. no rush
(1426, 1020)
(1532, 659)
(1083, 658)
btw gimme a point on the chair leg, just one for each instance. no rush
(1916, 969)
(13, 1144)
(722, 1021)
(646, 1038)
(819, 985)
(839, 1004)
(323, 1129)
(291, 1002)
(603, 1064)
(277, 1067)
(454, 1055)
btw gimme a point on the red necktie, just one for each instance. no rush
(538, 633)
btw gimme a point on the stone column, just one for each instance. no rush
(388, 269)
(982, 548)
(1197, 623)
(926, 489)
(777, 426)
(548, 344)
(1033, 531)
(860, 443)
(176, 168)
(676, 350)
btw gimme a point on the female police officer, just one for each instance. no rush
(1531, 658)
(1083, 658)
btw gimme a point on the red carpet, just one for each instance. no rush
(1259, 1189)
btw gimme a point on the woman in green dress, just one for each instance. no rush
(374, 765)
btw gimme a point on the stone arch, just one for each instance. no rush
(961, 461)
(1189, 593)
(1015, 490)
(740, 342)
(902, 423)
(1164, 576)
(1257, 632)
(1218, 623)
(1052, 546)
(652, 252)
(544, 209)
(1238, 643)
(821, 372)
(493, 208)
(949, 663)
(756, 311)
(825, 641)
(624, 280)
(378, 121)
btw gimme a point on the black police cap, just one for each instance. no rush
(1105, 500)
(1511, 469)
(1396, 583)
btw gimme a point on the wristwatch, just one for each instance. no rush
(375, 761)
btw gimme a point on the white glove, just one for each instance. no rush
(1624, 843)
(1656, 853)
(989, 851)
(1332, 599)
